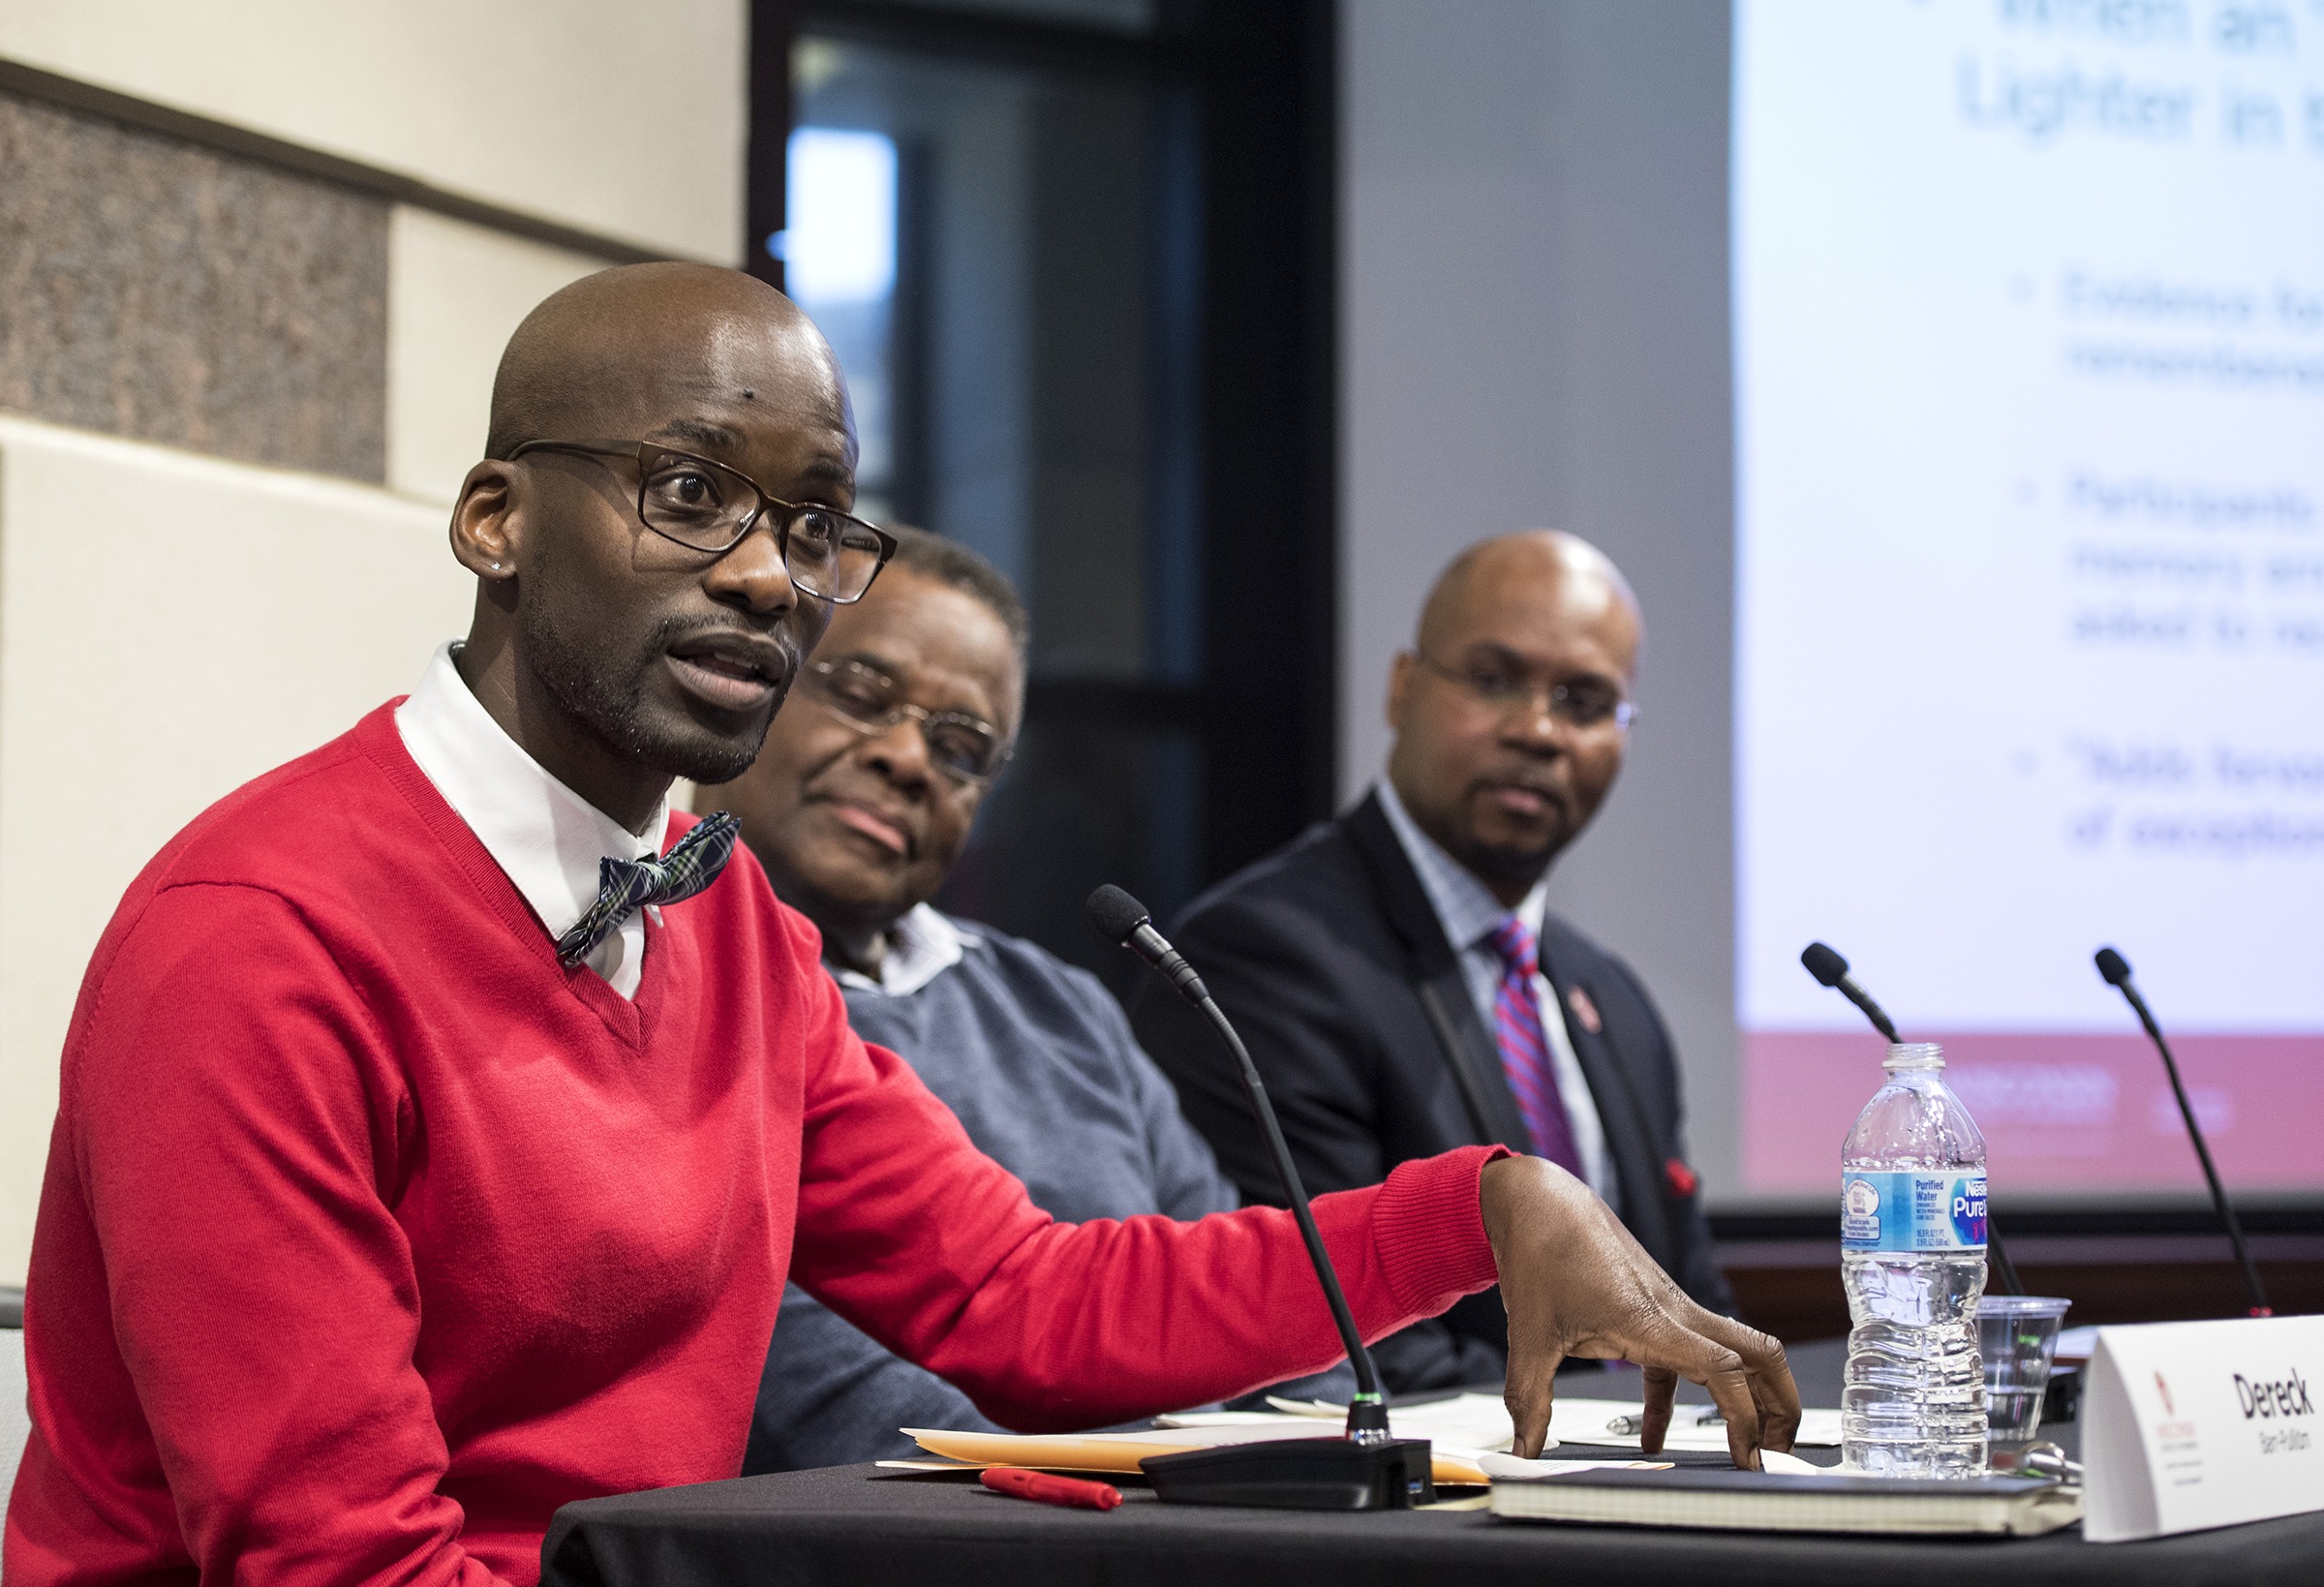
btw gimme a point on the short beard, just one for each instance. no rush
(612, 707)
(1506, 866)
(1500, 867)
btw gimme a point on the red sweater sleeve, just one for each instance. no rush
(225, 1116)
(910, 1232)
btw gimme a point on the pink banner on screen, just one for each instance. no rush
(2059, 1112)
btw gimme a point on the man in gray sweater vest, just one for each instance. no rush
(858, 807)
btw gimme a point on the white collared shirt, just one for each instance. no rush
(1469, 913)
(923, 943)
(546, 837)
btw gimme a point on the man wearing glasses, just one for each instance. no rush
(1397, 974)
(858, 808)
(440, 1114)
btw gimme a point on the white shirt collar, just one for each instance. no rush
(546, 837)
(922, 944)
(1466, 907)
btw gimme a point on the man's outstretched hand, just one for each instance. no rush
(1575, 1283)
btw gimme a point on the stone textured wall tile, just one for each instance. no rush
(169, 294)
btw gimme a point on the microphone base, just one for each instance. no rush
(1298, 1473)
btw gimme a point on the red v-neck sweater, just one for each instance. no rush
(370, 1235)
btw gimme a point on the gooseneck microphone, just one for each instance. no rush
(1369, 1469)
(2115, 970)
(1824, 964)
(1125, 920)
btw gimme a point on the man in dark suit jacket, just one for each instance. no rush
(1396, 973)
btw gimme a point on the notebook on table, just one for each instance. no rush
(1790, 1502)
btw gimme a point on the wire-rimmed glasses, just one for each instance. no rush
(1503, 688)
(966, 748)
(708, 506)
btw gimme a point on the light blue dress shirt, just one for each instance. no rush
(1466, 908)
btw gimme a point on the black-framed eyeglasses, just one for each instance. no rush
(708, 506)
(965, 748)
(1504, 688)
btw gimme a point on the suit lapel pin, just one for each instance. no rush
(1683, 1180)
(1584, 1010)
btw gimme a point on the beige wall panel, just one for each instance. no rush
(455, 291)
(619, 118)
(170, 626)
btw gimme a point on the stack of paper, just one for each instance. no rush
(1468, 1421)
(1468, 1436)
(1481, 1421)
(1616, 1422)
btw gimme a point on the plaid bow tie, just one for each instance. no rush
(626, 886)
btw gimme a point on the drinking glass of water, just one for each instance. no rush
(2017, 1335)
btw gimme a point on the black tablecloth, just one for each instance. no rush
(854, 1525)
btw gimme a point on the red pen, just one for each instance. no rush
(1043, 1489)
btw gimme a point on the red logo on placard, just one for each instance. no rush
(2164, 1390)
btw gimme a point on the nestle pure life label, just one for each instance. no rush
(1912, 1210)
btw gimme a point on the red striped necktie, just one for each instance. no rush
(1525, 1046)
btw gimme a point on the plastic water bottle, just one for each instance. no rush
(1912, 1256)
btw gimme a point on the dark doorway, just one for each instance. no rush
(1077, 257)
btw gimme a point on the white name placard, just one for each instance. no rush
(2189, 1425)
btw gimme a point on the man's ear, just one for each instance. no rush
(1399, 685)
(487, 533)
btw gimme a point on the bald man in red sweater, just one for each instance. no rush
(442, 1113)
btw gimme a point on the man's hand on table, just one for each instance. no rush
(1575, 1283)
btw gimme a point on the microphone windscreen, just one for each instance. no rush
(1823, 963)
(2114, 968)
(1115, 913)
